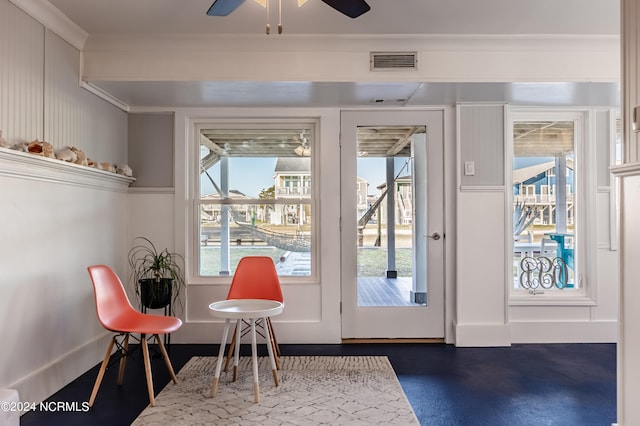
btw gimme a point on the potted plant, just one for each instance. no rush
(157, 276)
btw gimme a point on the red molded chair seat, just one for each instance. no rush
(256, 278)
(116, 314)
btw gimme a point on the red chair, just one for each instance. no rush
(255, 278)
(116, 314)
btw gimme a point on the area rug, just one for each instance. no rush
(314, 390)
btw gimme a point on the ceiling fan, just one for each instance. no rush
(350, 8)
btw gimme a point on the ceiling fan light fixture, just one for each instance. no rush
(263, 3)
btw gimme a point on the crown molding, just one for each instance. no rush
(54, 20)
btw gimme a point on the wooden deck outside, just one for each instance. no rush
(380, 291)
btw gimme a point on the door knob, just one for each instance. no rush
(435, 236)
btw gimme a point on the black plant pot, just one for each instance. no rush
(155, 294)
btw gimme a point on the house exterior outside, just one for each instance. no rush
(536, 186)
(403, 201)
(292, 180)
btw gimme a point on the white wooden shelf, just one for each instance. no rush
(18, 164)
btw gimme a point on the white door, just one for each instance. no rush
(392, 224)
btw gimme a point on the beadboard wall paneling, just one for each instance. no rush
(74, 116)
(56, 218)
(63, 109)
(21, 70)
(603, 137)
(481, 130)
(630, 80)
(104, 129)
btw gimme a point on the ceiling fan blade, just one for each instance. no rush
(351, 8)
(223, 7)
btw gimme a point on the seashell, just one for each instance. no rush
(66, 154)
(3, 141)
(47, 150)
(35, 147)
(22, 147)
(107, 167)
(124, 169)
(81, 157)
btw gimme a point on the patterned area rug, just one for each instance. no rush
(353, 390)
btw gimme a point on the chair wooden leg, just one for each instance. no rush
(103, 367)
(123, 358)
(273, 337)
(269, 341)
(167, 361)
(147, 368)
(274, 343)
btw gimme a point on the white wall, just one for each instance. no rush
(312, 314)
(454, 58)
(487, 315)
(50, 216)
(629, 182)
(56, 218)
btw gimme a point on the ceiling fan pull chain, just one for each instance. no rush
(279, 16)
(268, 26)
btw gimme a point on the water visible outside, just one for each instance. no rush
(371, 260)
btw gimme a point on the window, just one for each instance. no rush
(255, 197)
(546, 171)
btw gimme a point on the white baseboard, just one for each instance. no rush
(50, 378)
(564, 332)
(482, 335)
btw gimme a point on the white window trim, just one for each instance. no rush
(585, 197)
(192, 203)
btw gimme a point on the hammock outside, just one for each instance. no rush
(281, 240)
(299, 242)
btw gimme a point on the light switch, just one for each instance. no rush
(469, 168)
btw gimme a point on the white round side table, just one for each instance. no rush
(245, 309)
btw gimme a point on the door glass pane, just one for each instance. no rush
(388, 205)
(255, 198)
(544, 182)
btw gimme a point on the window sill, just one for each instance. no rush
(225, 280)
(551, 298)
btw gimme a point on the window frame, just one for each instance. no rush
(585, 201)
(194, 201)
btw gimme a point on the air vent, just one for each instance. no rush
(385, 61)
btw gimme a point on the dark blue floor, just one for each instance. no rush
(550, 384)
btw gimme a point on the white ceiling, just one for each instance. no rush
(600, 17)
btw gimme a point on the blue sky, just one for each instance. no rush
(247, 175)
(251, 175)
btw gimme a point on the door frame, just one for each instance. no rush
(382, 322)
